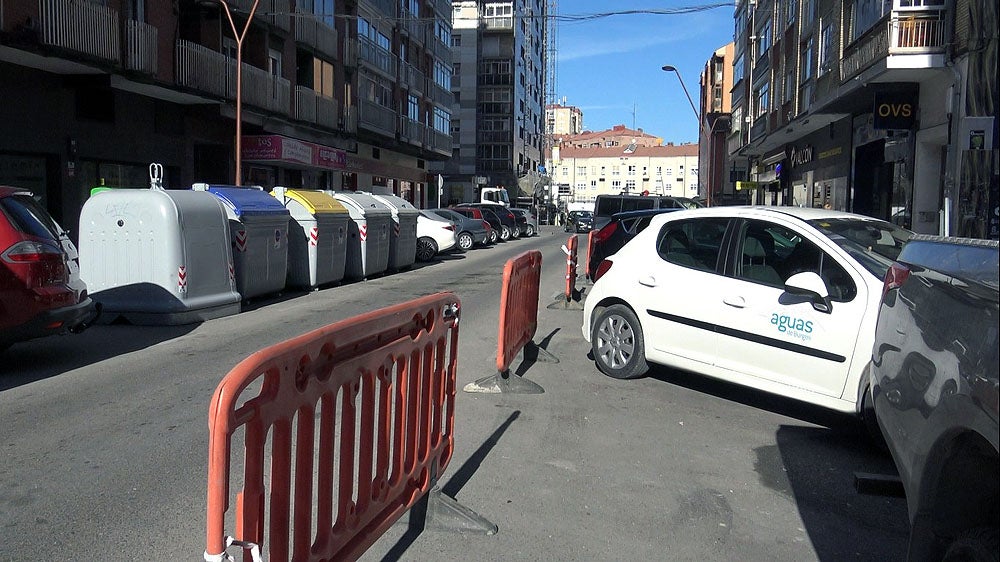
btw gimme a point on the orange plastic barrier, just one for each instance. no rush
(518, 306)
(354, 422)
(571, 257)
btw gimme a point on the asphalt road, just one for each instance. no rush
(103, 438)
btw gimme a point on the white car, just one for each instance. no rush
(782, 299)
(434, 236)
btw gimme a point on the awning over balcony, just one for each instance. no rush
(294, 153)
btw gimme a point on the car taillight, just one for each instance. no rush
(487, 226)
(450, 227)
(894, 277)
(602, 268)
(32, 252)
(605, 233)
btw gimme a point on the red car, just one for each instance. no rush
(38, 297)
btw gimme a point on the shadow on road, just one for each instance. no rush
(40, 359)
(455, 484)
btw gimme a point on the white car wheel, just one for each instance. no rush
(426, 249)
(617, 343)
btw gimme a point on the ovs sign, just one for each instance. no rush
(894, 111)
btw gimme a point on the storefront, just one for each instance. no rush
(882, 175)
(272, 160)
(818, 167)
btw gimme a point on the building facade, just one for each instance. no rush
(582, 173)
(716, 111)
(563, 120)
(344, 95)
(498, 87)
(881, 108)
(618, 135)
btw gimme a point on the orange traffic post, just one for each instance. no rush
(570, 300)
(518, 321)
(323, 441)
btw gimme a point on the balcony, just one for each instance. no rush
(443, 8)
(277, 13)
(910, 37)
(440, 142)
(316, 34)
(439, 49)
(349, 123)
(350, 52)
(140, 47)
(441, 96)
(200, 68)
(377, 58)
(377, 118)
(495, 137)
(412, 132)
(81, 27)
(327, 112)
(383, 7)
(411, 76)
(413, 27)
(305, 104)
(505, 23)
(260, 88)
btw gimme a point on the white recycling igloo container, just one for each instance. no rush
(403, 236)
(156, 256)
(368, 234)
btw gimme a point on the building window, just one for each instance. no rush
(825, 50)
(631, 170)
(765, 38)
(738, 69)
(581, 170)
(805, 63)
(790, 6)
(789, 85)
(762, 95)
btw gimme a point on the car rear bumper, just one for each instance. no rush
(55, 321)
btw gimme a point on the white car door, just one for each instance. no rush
(768, 333)
(673, 281)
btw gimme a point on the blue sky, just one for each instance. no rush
(610, 67)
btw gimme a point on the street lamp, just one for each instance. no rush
(701, 125)
(239, 82)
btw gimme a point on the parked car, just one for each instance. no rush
(934, 381)
(620, 229)
(470, 231)
(530, 224)
(492, 225)
(434, 236)
(508, 228)
(781, 299)
(607, 205)
(579, 221)
(40, 294)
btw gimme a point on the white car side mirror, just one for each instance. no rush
(811, 285)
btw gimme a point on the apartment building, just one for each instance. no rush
(881, 108)
(715, 109)
(350, 94)
(498, 86)
(563, 120)
(617, 135)
(583, 173)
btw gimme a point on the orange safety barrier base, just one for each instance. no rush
(570, 299)
(323, 441)
(518, 321)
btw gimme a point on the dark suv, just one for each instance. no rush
(509, 228)
(38, 296)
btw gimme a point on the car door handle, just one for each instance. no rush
(737, 302)
(647, 280)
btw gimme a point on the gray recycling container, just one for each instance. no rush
(368, 234)
(258, 225)
(155, 256)
(317, 237)
(403, 235)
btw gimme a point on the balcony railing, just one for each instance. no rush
(82, 27)
(494, 137)
(305, 104)
(440, 95)
(350, 120)
(411, 76)
(499, 23)
(908, 31)
(375, 117)
(383, 7)
(414, 27)
(140, 47)
(377, 57)
(438, 141)
(260, 88)
(440, 50)
(277, 13)
(412, 131)
(326, 112)
(200, 68)
(350, 52)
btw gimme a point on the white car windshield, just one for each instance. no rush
(872, 243)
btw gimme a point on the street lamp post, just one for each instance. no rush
(702, 128)
(239, 82)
